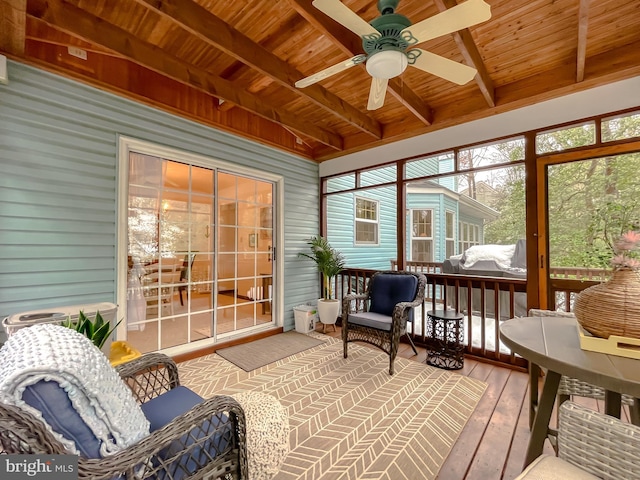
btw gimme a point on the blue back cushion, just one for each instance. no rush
(391, 288)
(51, 399)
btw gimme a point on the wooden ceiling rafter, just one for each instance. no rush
(472, 56)
(77, 22)
(212, 30)
(583, 26)
(528, 52)
(351, 44)
(13, 20)
(97, 50)
(522, 93)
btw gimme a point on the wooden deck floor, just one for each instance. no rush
(493, 444)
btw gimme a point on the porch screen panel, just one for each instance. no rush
(372, 209)
(591, 203)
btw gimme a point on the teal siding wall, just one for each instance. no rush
(421, 167)
(58, 149)
(341, 233)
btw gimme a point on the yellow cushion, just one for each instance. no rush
(122, 352)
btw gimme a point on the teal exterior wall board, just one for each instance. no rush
(58, 189)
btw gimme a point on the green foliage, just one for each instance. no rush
(328, 260)
(591, 203)
(96, 330)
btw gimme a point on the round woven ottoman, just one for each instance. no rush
(267, 433)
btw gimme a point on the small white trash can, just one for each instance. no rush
(306, 317)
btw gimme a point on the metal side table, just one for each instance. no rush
(446, 349)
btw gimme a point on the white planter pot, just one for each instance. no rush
(328, 311)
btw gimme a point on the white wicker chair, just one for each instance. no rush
(591, 446)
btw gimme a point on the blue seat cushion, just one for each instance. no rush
(388, 289)
(371, 319)
(163, 409)
(53, 402)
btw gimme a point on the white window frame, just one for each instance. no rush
(128, 144)
(449, 237)
(417, 238)
(472, 238)
(375, 222)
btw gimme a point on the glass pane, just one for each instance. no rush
(423, 167)
(378, 175)
(343, 182)
(202, 180)
(566, 138)
(591, 203)
(421, 251)
(227, 186)
(621, 127)
(378, 236)
(177, 176)
(173, 263)
(491, 154)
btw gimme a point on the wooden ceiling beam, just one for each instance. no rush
(472, 56)
(212, 30)
(351, 44)
(90, 28)
(60, 43)
(583, 25)
(13, 21)
(522, 93)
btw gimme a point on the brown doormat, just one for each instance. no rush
(259, 353)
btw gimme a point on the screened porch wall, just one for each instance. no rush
(58, 238)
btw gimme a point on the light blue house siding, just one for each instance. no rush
(58, 223)
(439, 195)
(341, 228)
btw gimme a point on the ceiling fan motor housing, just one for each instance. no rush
(390, 27)
(390, 40)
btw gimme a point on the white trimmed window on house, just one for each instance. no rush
(450, 234)
(469, 235)
(366, 217)
(422, 235)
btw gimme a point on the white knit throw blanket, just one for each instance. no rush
(98, 394)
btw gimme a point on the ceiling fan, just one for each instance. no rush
(389, 39)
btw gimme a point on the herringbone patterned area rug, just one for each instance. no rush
(349, 418)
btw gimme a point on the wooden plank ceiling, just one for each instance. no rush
(233, 65)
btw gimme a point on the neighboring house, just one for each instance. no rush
(440, 221)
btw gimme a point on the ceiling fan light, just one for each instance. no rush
(387, 64)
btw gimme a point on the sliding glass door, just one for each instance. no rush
(199, 248)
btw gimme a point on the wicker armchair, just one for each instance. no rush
(591, 446)
(380, 315)
(208, 440)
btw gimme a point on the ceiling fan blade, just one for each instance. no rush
(377, 93)
(344, 16)
(444, 68)
(327, 72)
(461, 16)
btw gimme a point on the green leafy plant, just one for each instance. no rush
(96, 330)
(328, 260)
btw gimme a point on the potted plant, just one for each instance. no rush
(329, 263)
(97, 330)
